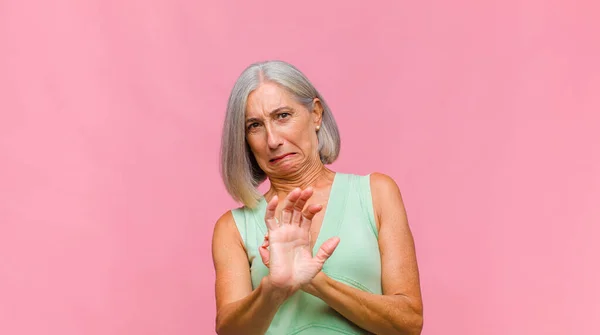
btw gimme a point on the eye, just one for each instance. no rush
(283, 115)
(253, 125)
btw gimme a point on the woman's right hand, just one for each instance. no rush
(289, 254)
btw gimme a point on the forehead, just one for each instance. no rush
(268, 97)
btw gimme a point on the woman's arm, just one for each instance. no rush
(240, 310)
(399, 310)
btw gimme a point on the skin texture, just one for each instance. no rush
(282, 135)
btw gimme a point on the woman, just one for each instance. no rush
(336, 254)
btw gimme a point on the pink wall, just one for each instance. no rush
(483, 112)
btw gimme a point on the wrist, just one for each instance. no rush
(315, 284)
(274, 292)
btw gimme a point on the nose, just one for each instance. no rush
(274, 140)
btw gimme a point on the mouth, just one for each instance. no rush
(278, 158)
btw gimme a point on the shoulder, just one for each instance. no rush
(232, 217)
(225, 229)
(379, 184)
(377, 181)
(223, 224)
(385, 193)
(382, 183)
(225, 219)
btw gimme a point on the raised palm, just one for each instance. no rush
(289, 255)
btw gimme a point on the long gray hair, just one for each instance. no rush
(239, 170)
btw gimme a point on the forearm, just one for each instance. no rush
(379, 314)
(252, 314)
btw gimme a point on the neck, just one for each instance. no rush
(315, 175)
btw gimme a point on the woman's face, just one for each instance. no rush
(281, 132)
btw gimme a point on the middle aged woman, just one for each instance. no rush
(335, 255)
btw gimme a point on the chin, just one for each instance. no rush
(284, 170)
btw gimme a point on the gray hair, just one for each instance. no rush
(239, 169)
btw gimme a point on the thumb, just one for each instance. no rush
(327, 249)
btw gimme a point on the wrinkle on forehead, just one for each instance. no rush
(266, 98)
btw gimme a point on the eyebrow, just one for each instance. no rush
(276, 110)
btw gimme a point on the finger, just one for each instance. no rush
(299, 205)
(308, 214)
(327, 249)
(265, 244)
(265, 255)
(288, 206)
(270, 219)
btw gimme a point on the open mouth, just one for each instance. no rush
(277, 159)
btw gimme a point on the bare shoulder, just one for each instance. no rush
(225, 221)
(383, 184)
(387, 198)
(225, 231)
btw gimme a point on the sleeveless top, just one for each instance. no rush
(355, 262)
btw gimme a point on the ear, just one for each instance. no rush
(317, 111)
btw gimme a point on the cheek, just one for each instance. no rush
(253, 143)
(302, 135)
(258, 146)
(311, 137)
(302, 131)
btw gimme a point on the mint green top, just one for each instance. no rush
(355, 262)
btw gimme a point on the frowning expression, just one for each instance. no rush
(280, 131)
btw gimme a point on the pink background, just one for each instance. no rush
(485, 113)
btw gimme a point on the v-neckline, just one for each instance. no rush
(334, 199)
(328, 210)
